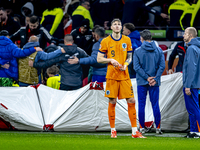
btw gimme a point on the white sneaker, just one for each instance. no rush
(158, 131)
(142, 130)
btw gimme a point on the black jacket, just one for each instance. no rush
(11, 26)
(41, 32)
(179, 50)
(71, 74)
(84, 41)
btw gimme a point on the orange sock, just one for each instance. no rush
(111, 114)
(132, 114)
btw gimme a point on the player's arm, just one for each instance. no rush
(103, 60)
(127, 62)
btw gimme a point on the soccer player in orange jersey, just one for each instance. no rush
(118, 50)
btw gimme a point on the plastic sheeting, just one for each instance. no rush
(86, 109)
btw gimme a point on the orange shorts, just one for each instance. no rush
(119, 88)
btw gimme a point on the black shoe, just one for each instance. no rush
(192, 135)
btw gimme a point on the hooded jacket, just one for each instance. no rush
(8, 53)
(135, 41)
(71, 74)
(148, 62)
(191, 65)
(28, 5)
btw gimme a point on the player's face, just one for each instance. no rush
(186, 36)
(83, 30)
(33, 26)
(125, 31)
(116, 27)
(2, 15)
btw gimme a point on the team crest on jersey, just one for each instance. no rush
(107, 92)
(124, 45)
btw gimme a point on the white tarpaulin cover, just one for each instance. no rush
(85, 109)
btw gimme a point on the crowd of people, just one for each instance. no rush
(65, 46)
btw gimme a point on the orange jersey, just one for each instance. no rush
(116, 49)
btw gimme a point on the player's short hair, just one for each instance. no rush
(146, 35)
(129, 26)
(100, 31)
(34, 19)
(114, 20)
(192, 31)
(95, 27)
(33, 38)
(53, 70)
(83, 1)
(2, 8)
(68, 38)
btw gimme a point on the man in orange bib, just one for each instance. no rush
(118, 50)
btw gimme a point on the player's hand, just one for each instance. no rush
(30, 63)
(75, 60)
(149, 79)
(164, 16)
(152, 83)
(62, 50)
(6, 66)
(122, 68)
(114, 63)
(187, 91)
(38, 49)
(171, 71)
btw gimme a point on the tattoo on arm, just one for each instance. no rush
(129, 58)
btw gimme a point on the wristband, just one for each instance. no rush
(126, 63)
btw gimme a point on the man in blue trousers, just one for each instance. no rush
(149, 64)
(191, 80)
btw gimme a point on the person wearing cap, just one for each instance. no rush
(80, 13)
(83, 38)
(149, 64)
(7, 22)
(9, 53)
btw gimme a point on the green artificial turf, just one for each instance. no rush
(16, 140)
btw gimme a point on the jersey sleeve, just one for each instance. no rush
(103, 47)
(129, 46)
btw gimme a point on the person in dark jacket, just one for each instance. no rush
(134, 35)
(7, 22)
(80, 13)
(180, 50)
(8, 54)
(33, 28)
(71, 75)
(52, 19)
(99, 70)
(135, 8)
(149, 64)
(191, 80)
(83, 36)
